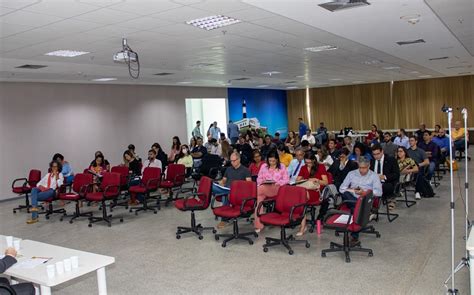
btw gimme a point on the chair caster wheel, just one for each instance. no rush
(250, 242)
(89, 225)
(121, 219)
(377, 236)
(154, 212)
(291, 252)
(224, 245)
(371, 254)
(307, 245)
(136, 212)
(323, 254)
(255, 235)
(178, 237)
(214, 231)
(336, 234)
(216, 237)
(311, 230)
(265, 250)
(348, 260)
(70, 221)
(14, 211)
(331, 246)
(60, 219)
(126, 207)
(130, 210)
(110, 225)
(47, 217)
(200, 237)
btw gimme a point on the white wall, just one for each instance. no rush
(39, 119)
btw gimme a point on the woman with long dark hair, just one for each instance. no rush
(175, 149)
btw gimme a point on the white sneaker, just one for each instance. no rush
(417, 196)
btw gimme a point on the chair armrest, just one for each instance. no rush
(191, 196)
(18, 179)
(261, 204)
(177, 176)
(245, 201)
(151, 181)
(84, 190)
(304, 205)
(107, 188)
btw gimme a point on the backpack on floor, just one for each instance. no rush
(424, 188)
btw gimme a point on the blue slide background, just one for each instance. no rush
(268, 106)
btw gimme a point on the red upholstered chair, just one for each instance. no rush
(149, 182)
(174, 180)
(357, 220)
(242, 201)
(109, 190)
(80, 186)
(288, 212)
(198, 201)
(25, 188)
(315, 200)
(124, 185)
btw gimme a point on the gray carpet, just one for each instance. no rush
(411, 257)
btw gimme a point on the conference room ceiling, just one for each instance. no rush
(271, 38)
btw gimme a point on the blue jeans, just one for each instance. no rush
(69, 179)
(431, 169)
(216, 190)
(459, 145)
(38, 195)
(348, 196)
(233, 140)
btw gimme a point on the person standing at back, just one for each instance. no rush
(214, 131)
(233, 132)
(301, 128)
(197, 130)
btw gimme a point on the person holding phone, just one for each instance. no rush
(45, 189)
(356, 183)
(5, 263)
(271, 176)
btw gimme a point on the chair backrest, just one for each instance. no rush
(34, 177)
(80, 180)
(174, 170)
(151, 173)
(123, 171)
(289, 196)
(204, 190)
(240, 190)
(363, 209)
(110, 178)
(8, 289)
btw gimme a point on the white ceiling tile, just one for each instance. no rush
(63, 8)
(221, 7)
(146, 7)
(144, 23)
(107, 16)
(16, 4)
(182, 14)
(28, 18)
(11, 29)
(4, 10)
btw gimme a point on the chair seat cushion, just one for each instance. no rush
(166, 184)
(313, 198)
(331, 222)
(69, 197)
(277, 218)
(137, 189)
(21, 189)
(95, 197)
(190, 204)
(231, 211)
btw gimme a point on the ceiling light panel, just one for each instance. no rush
(213, 22)
(66, 53)
(321, 48)
(104, 79)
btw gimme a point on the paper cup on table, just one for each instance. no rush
(75, 262)
(16, 244)
(60, 267)
(67, 265)
(51, 270)
(9, 241)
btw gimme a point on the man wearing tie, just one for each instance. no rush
(386, 167)
(295, 165)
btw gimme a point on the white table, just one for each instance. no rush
(470, 248)
(88, 262)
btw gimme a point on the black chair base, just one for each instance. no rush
(408, 203)
(346, 248)
(195, 228)
(27, 205)
(50, 211)
(370, 229)
(146, 207)
(236, 235)
(284, 241)
(106, 218)
(76, 214)
(390, 216)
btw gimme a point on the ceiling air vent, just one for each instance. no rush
(401, 43)
(163, 74)
(240, 79)
(31, 67)
(291, 82)
(439, 58)
(343, 4)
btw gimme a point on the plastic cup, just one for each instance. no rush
(67, 265)
(60, 267)
(319, 227)
(16, 244)
(75, 262)
(9, 241)
(51, 270)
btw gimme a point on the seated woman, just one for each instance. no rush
(192, 143)
(271, 176)
(104, 160)
(372, 134)
(323, 157)
(315, 177)
(45, 189)
(160, 155)
(97, 168)
(292, 141)
(377, 139)
(359, 150)
(175, 149)
(66, 170)
(406, 165)
(184, 158)
(284, 155)
(256, 164)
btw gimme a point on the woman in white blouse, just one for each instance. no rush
(45, 189)
(324, 158)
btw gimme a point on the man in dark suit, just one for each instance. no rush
(341, 167)
(387, 168)
(5, 263)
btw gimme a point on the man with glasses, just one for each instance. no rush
(386, 167)
(341, 167)
(295, 165)
(236, 171)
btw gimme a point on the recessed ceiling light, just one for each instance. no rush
(213, 22)
(271, 73)
(335, 79)
(391, 68)
(372, 62)
(292, 87)
(218, 47)
(201, 65)
(411, 18)
(300, 76)
(357, 82)
(184, 82)
(66, 53)
(262, 86)
(321, 48)
(414, 72)
(424, 76)
(104, 79)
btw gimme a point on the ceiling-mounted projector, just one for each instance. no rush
(125, 57)
(129, 57)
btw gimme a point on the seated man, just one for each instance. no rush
(276, 139)
(5, 263)
(321, 133)
(386, 167)
(347, 143)
(152, 161)
(295, 165)
(419, 132)
(442, 141)
(419, 156)
(309, 137)
(431, 150)
(267, 146)
(215, 148)
(341, 167)
(402, 139)
(198, 152)
(357, 183)
(333, 151)
(236, 171)
(457, 135)
(389, 148)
